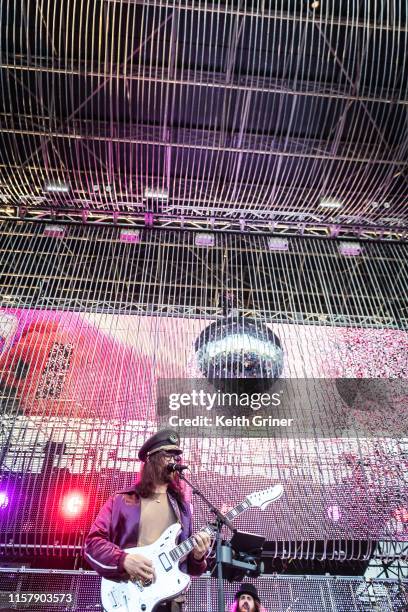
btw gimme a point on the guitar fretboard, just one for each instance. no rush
(187, 546)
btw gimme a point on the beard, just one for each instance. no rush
(249, 606)
(166, 476)
(154, 472)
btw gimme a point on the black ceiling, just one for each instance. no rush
(257, 109)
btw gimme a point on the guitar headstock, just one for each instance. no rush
(262, 499)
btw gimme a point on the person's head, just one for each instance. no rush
(156, 453)
(247, 599)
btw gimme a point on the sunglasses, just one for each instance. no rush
(175, 457)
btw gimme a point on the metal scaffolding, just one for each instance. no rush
(310, 282)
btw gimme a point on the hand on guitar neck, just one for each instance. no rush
(202, 544)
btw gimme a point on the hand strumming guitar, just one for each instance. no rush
(139, 568)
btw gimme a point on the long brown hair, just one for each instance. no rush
(151, 475)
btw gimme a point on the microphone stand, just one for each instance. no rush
(220, 520)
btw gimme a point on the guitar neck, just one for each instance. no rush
(187, 546)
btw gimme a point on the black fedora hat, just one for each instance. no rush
(248, 589)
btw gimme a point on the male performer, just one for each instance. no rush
(139, 515)
(247, 599)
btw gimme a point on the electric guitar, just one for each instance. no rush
(166, 555)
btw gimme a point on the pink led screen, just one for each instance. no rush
(88, 381)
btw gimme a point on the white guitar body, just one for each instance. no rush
(169, 582)
(166, 555)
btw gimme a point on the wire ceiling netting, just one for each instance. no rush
(90, 324)
(258, 109)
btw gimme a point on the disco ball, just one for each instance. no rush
(238, 348)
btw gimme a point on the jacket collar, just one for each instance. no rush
(129, 490)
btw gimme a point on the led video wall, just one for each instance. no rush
(79, 397)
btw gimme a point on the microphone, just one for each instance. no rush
(176, 467)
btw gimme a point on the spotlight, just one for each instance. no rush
(278, 244)
(4, 500)
(350, 249)
(57, 188)
(330, 203)
(204, 240)
(54, 231)
(159, 194)
(73, 504)
(128, 235)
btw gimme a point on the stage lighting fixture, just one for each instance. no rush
(204, 240)
(350, 249)
(278, 244)
(57, 188)
(326, 202)
(73, 504)
(4, 500)
(128, 235)
(159, 194)
(54, 231)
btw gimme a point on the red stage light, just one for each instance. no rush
(73, 504)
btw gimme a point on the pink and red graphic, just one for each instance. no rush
(106, 366)
(59, 364)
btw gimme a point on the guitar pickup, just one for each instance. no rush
(164, 560)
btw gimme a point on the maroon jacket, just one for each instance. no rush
(117, 527)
